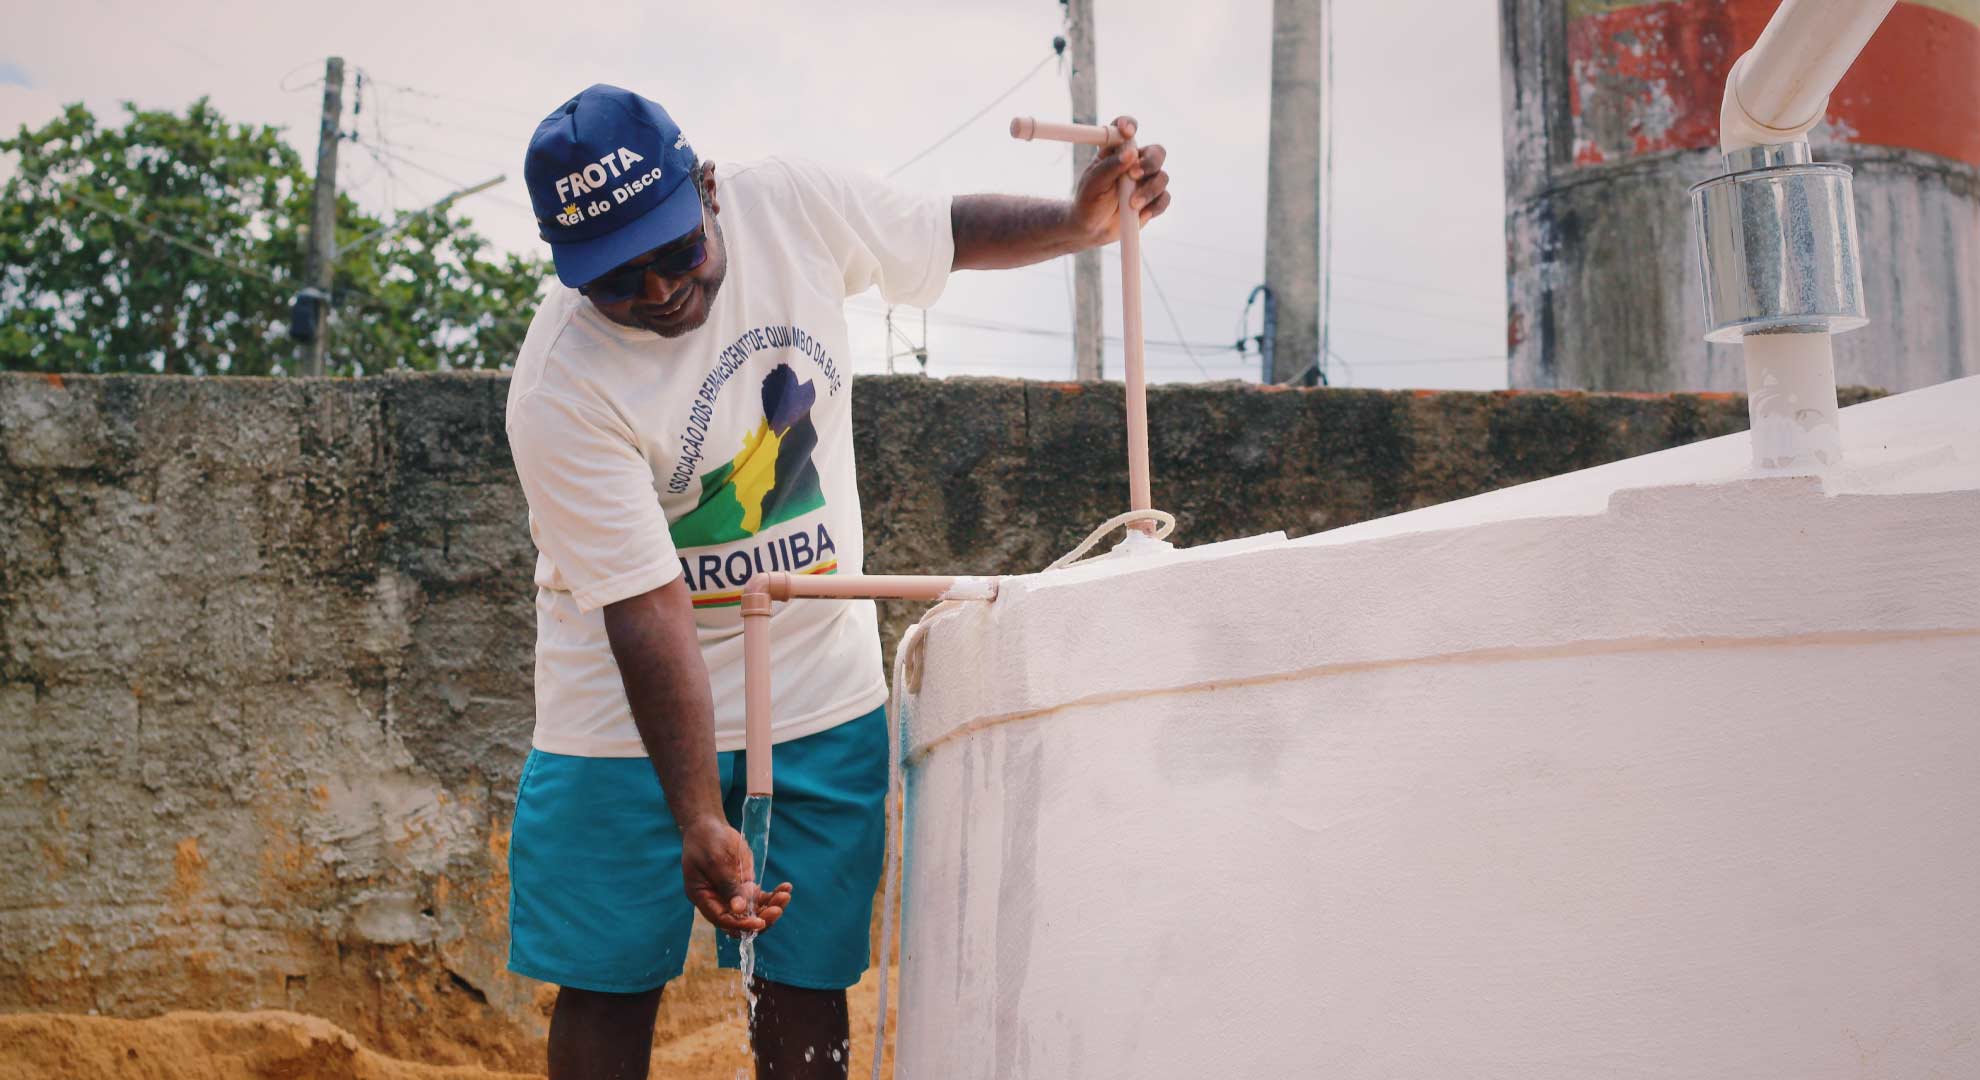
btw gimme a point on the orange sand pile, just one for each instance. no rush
(699, 1035)
(203, 1046)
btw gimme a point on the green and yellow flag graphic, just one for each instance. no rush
(770, 480)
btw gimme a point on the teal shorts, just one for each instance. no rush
(595, 898)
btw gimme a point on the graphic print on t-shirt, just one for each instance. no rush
(771, 480)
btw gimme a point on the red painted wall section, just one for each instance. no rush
(1646, 76)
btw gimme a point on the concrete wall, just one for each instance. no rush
(1611, 113)
(265, 645)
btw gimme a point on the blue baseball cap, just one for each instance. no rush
(609, 178)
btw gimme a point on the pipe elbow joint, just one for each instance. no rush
(1739, 129)
(761, 589)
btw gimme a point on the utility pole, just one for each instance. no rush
(323, 212)
(1086, 265)
(1292, 189)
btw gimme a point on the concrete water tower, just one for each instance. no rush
(1611, 112)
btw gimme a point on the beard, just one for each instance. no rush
(696, 309)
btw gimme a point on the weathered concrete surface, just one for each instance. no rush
(1611, 113)
(264, 687)
(265, 645)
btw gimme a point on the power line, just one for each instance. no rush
(1005, 361)
(1398, 282)
(411, 164)
(1345, 364)
(976, 323)
(507, 138)
(282, 84)
(1398, 338)
(1210, 247)
(1171, 312)
(1413, 361)
(1038, 270)
(1186, 347)
(465, 159)
(175, 241)
(1449, 317)
(1420, 287)
(403, 88)
(386, 146)
(1468, 320)
(974, 117)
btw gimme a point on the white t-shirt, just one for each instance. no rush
(714, 455)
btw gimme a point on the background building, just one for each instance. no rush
(1612, 111)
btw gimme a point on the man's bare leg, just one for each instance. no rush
(600, 1036)
(801, 1034)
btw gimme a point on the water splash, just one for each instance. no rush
(756, 833)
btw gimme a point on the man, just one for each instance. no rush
(680, 418)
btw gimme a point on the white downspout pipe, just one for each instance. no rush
(1776, 92)
(1780, 88)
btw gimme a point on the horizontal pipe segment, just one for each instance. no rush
(1029, 128)
(757, 597)
(783, 586)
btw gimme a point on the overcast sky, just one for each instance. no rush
(453, 91)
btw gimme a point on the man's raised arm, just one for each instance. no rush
(997, 232)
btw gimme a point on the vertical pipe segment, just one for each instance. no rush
(1134, 366)
(1140, 495)
(756, 688)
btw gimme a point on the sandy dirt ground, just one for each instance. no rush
(701, 1033)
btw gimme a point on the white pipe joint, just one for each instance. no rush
(1780, 88)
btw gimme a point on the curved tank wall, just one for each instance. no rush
(1612, 111)
(1651, 770)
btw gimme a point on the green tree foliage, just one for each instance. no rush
(91, 280)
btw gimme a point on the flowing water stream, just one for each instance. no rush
(756, 833)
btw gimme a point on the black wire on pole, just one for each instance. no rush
(973, 118)
(1171, 312)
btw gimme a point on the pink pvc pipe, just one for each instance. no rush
(1140, 496)
(782, 586)
(757, 597)
(1027, 128)
(756, 690)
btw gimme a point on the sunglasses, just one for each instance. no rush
(624, 283)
